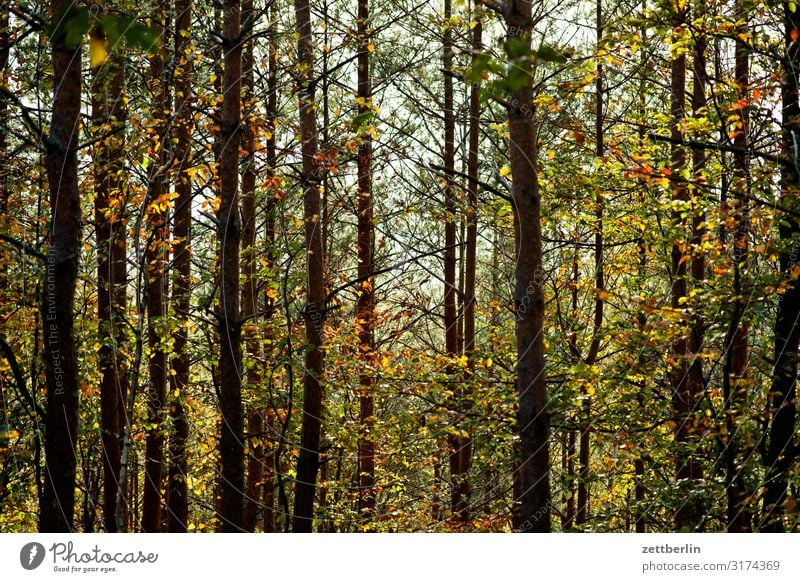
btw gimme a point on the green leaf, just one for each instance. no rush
(792, 7)
(516, 79)
(549, 54)
(126, 29)
(70, 27)
(517, 47)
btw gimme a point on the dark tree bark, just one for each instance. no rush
(157, 257)
(365, 307)
(108, 110)
(177, 492)
(255, 471)
(308, 461)
(461, 445)
(271, 236)
(532, 415)
(582, 513)
(5, 73)
(685, 395)
(231, 449)
(734, 382)
(781, 451)
(459, 493)
(61, 273)
(250, 302)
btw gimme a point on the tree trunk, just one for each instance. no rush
(735, 380)
(61, 273)
(271, 236)
(5, 74)
(5, 303)
(308, 461)
(464, 444)
(177, 492)
(250, 303)
(459, 495)
(108, 111)
(532, 415)
(365, 308)
(685, 397)
(584, 454)
(157, 258)
(781, 451)
(231, 449)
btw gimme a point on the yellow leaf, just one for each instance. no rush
(370, 47)
(97, 52)
(505, 171)
(489, 363)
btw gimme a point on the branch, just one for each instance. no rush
(22, 246)
(481, 183)
(720, 147)
(27, 397)
(363, 278)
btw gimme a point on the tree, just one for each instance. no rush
(231, 448)
(781, 452)
(314, 313)
(177, 493)
(460, 485)
(61, 273)
(735, 381)
(532, 415)
(108, 116)
(582, 512)
(157, 258)
(463, 446)
(365, 318)
(685, 393)
(250, 290)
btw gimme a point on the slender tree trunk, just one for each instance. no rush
(459, 497)
(255, 471)
(108, 111)
(781, 451)
(735, 366)
(463, 445)
(61, 273)
(366, 298)
(268, 481)
(250, 263)
(641, 317)
(271, 236)
(308, 461)
(698, 265)
(685, 399)
(582, 513)
(568, 468)
(177, 492)
(157, 257)
(5, 303)
(532, 415)
(231, 449)
(5, 74)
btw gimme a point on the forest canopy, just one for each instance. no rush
(373, 266)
